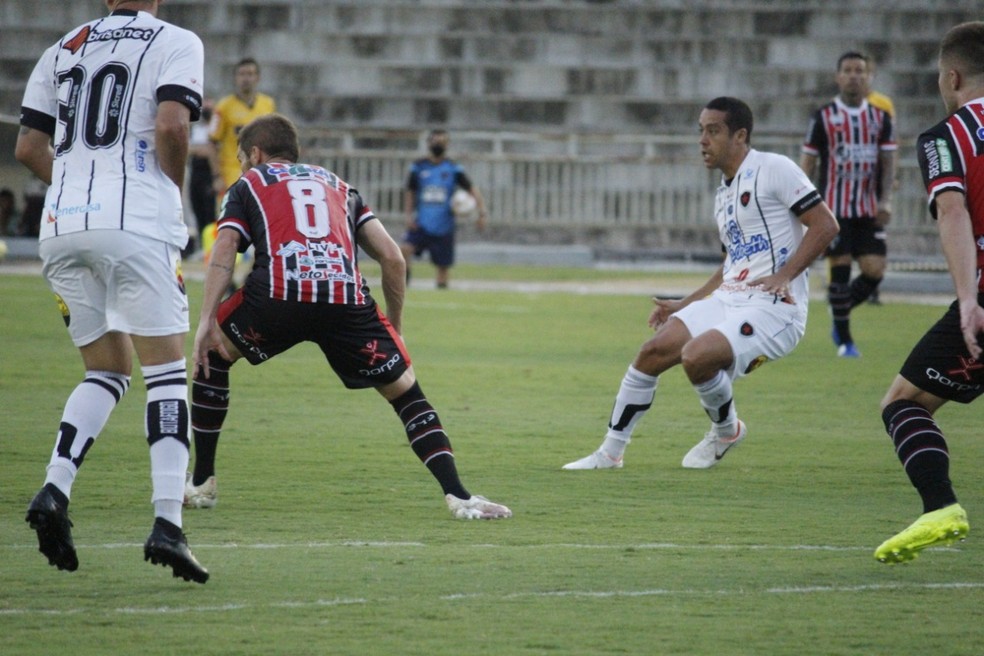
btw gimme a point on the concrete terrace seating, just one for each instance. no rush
(545, 65)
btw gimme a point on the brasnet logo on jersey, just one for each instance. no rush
(140, 34)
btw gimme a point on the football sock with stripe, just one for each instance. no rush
(428, 439)
(635, 396)
(86, 412)
(839, 297)
(209, 406)
(921, 448)
(717, 399)
(862, 288)
(167, 435)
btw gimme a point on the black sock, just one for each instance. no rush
(209, 405)
(839, 297)
(921, 448)
(428, 439)
(862, 288)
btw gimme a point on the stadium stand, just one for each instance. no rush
(547, 95)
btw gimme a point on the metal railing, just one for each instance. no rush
(556, 184)
(581, 181)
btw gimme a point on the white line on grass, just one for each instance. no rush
(738, 592)
(551, 594)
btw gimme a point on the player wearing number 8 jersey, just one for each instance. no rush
(105, 120)
(305, 225)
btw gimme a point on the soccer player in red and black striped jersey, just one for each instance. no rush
(855, 145)
(306, 224)
(946, 364)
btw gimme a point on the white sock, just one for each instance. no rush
(635, 396)
(167, 433)
(717, 399)
(86, 411)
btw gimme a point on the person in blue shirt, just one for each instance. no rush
(431, 183)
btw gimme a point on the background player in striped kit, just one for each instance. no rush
(855, 145)
(946, 364)
(306, 224)
(116, 96)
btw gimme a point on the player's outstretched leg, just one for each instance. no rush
(431, 445)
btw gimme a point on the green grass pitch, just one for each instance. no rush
(330, 537)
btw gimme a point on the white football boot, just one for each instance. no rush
(476, 507)
(597, 460)
(205, 495)
(712, 448)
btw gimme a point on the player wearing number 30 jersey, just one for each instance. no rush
(105, 121)
(96, 91)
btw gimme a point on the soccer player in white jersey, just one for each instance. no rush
(105, 120)
(751, 310)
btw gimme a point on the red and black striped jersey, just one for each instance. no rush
(849, 142)
(302, 221)
(951, 158)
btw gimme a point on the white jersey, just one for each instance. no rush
(96, 92)
(757, 216)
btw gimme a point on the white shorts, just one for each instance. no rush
(111, 280)
(758, 328)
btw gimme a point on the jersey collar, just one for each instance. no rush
(851, 110)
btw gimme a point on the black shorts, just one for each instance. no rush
(858, 237)
(940, 363)
(441, 247)
(357, 340)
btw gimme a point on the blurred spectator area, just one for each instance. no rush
(577, 118)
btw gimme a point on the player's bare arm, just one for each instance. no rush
(482, 212)
(172, 128)
(209, 337)
(34, 151)
(409, 201)
(957, 240)
(809, 164)
(374, 239)
(887, 161)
